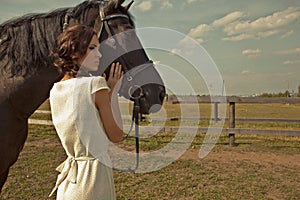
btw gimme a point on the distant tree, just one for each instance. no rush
(280, 94)
(298, 91)
(287, 94)
(266, 95)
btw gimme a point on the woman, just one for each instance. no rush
(83, 116)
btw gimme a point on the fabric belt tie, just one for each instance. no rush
(68, 170)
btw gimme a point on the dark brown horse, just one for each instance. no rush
(27, 74)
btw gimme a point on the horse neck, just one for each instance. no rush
(29, 78)
(28, 93)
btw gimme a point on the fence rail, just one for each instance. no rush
(232, 101)
(232, 130)
(221, 99)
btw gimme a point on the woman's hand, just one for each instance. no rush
(115, 75)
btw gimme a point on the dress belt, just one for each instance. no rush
(68, 170)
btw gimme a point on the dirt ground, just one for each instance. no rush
(253, 157)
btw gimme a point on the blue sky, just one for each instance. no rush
(255, 44)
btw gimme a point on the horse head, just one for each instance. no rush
(120, 43)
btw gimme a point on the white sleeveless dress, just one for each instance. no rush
(86, 173)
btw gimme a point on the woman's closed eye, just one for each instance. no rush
(92, 47)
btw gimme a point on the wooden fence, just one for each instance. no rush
(232, 130)
(232, 101)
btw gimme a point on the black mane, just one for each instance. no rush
(26, 41)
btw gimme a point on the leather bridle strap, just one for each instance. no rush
(105, 19)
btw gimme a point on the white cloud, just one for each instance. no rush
(145, 6)
(289, 51)
(175, 51)
(200, 30)
(227, 19)
(264, 26)
(148, 4)
(166, 4)
(266, 34)
(156, 62)
(193, 1)
(289, 62)
(246, 72)
(240, 30)
(200, 40)
(238, 38)
(190, 1)
(287, 34)
(203, 29)
(257, 35)
(252, 53)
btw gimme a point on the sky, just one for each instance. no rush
(255, 44)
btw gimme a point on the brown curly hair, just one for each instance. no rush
(72, 44)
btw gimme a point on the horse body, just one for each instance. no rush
(23, 97)
(24, 85)
(27, 74)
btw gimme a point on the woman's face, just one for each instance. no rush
(90, 60)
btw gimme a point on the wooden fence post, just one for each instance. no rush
(232, 123)
(216, 111)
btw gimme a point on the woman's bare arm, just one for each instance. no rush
(112, 122)
(108, 106)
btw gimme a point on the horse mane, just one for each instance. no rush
(26, 42)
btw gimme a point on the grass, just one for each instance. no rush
(260, 167)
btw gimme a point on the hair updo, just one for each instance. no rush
(72, 45)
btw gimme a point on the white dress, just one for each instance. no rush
(86, 173)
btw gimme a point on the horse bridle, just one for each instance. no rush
(130, 74)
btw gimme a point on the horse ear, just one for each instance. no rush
(128, 6)
(119, 3)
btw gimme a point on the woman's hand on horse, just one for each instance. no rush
(115, 75)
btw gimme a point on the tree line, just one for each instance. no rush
(282, 94)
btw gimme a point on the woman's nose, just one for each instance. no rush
(99, 55)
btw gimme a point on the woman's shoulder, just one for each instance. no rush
(98, 79)
(98, 83)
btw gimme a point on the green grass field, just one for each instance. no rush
(260, 167)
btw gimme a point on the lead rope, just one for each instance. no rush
(135, 119)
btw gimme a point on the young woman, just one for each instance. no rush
(84, 117)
